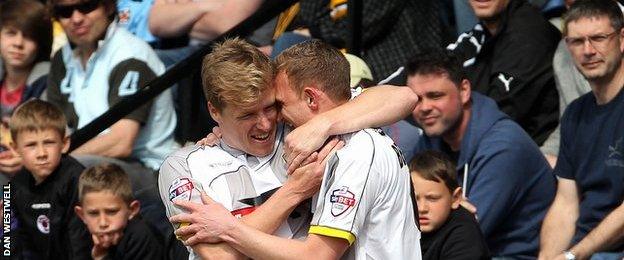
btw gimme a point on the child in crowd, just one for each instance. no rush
(25, 43)
(449, 230)
(45, 192)
(112, 216)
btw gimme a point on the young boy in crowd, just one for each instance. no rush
(44, 192)
(25, 44)
(111, 214)
(449, 231)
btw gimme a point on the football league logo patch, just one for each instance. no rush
(43, 224)
(341, 201)
(181, 189)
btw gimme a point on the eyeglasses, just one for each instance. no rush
(597, 40)
(66, 11)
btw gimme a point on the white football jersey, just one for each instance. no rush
(366, 199)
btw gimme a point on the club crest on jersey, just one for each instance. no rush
(181, 188)
(43, 224)
(341, 201)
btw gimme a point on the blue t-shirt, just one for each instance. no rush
(134, 15)
(592, 154)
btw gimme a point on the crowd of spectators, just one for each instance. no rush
(508, 113)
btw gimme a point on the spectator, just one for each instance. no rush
(586, 218)
(25, 42)
(134, 16)
(501, 169)
(202, 21)
(508, 57)
(111, 214)
(364, 198)
(45, 192)
(449, 231)
(101, 64)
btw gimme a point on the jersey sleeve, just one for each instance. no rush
(342, 200)
(126, 79)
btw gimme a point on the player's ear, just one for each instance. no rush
(79, 212)
(135, 206)
(311, 96)
(214, 112)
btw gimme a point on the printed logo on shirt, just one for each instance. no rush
(41, 206)
(341, 201)
(181, 189)
(616, 154)
(506, 80)
(124, 16)
(239, 213)
(43, 224)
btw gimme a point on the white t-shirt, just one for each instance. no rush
(365, 198)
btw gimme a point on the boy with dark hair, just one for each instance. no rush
(111, 214)
(44, 191)
(449, 231)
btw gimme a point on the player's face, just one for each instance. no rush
(104, 212)
(251, 130)
(294, 109)
(18, 51)
(595, 46)
(84, 26)
(41, 151)
(439, 108)
(435, 202)
(488, 9)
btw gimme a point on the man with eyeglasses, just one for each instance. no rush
(586, 218)
(101, 64)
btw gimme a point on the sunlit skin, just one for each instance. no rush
(104, 212)
(596, 61)
(18, 51)
(84, 30)
(435, 202)
(249, 129)
(41, 151)
(440, 110)
(294, 109)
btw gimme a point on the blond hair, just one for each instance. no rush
(236, 73)
(37, 115)
(105, 177)
(316, 62)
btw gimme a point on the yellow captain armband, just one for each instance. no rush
(332, 232)
(180, 226)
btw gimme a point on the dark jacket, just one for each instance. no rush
(514, 67)
(509, 180)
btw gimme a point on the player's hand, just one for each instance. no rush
(208, 221)
(211, 139)
(10, 162)
(306, 180)
(103, 241)
(468, 206)
(304, 140)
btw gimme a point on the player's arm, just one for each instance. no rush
(170, 18)
(560, 221)
(216, 22)
(375, 107)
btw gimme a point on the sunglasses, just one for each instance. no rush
(66, 11)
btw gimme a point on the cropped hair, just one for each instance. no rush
(316, 62)
(436, 61)
(435, 166)
(31, 18)
(37, 115)
(594, 8)
(107, 177)
(236, 73)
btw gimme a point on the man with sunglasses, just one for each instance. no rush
(101, 64)
(586, 218)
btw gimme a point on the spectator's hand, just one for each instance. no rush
(211, 139)
(304, 140)
(10, 162)
(306, 180)
(102, 242)
(468, 206)
(207, 221)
